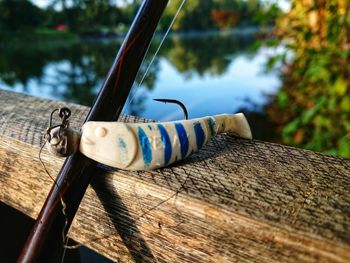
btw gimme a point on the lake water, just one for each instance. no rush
(210, 73)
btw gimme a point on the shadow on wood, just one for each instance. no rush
(118, 214)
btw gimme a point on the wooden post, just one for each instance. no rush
(46, 241)
(237, 200)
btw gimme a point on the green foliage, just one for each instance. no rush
(105, 16)
(214, 14)
(194, 15)
(313, 106)
(18, 14)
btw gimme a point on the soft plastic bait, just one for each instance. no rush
(143, 146)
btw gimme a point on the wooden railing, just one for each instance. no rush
(236, 200)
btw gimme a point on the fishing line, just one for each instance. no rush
(65, 238)
(156, 53)
(144, 214)
(64, 206)
(162, 41)
(162, 202)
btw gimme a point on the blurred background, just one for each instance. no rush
(285, 64)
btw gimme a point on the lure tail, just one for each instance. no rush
(148, 146)
(234, 124)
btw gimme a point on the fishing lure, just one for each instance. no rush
(142, 146)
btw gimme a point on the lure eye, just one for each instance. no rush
(100, 132)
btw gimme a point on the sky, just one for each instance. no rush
(44, 3)
(284, 4)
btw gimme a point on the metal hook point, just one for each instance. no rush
(183, 107)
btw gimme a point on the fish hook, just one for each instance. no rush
(64, 114)
(60, 139)
(183, 107)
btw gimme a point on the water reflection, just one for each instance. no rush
(71, 72)
(208, 54)
(210, 74)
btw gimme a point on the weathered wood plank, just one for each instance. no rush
(240, 201)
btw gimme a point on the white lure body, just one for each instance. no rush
(148, 146)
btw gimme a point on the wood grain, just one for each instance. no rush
(236, 200)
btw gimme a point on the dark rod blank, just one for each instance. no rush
(46, 243)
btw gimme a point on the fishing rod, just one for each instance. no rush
(46, 242)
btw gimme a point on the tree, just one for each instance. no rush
(86, 15)
(19, 13)
(312, 108)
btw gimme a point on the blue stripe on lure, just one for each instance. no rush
(166, 142)
(212, 126)
(200, 136)
(148, 146)
(181, 132)
(122, 144)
